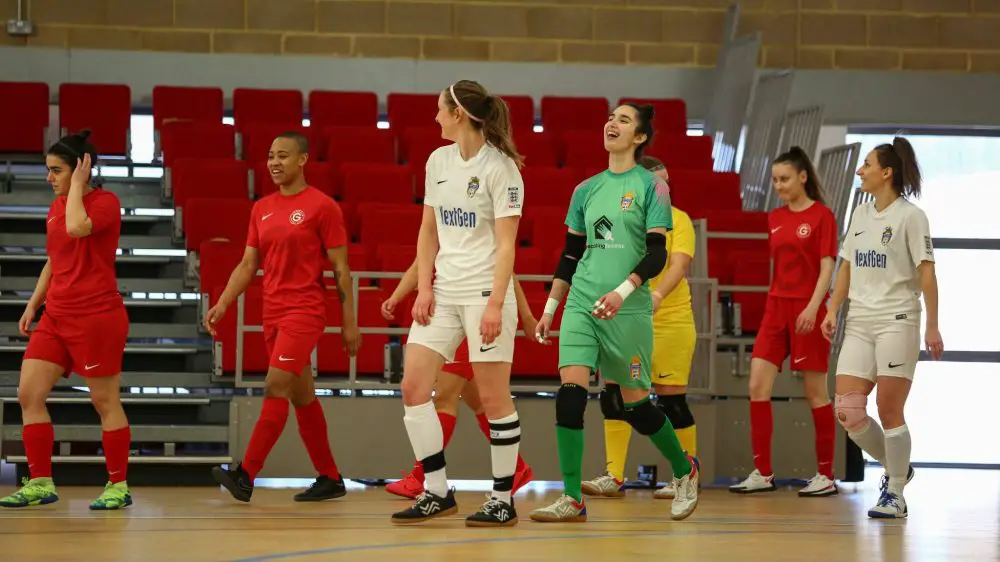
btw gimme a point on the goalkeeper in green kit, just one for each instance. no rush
(616, 241)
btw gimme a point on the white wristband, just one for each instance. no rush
(551, 306)
(625, 289)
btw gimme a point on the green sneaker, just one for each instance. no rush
(115, 496)
(38, 491)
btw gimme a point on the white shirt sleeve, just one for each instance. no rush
(506, 189)
(430, 180)
(918, 237)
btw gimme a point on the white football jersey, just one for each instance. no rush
(884, 250)
(467, 197)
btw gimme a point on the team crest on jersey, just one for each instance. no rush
(804, 230)
(513, 198)
(297, 216)
(627, 201)
(473, 187)
(635, 368)
(886, 235)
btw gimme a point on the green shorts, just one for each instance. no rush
(620, 348)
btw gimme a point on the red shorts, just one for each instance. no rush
(91, 345)
(777, 339)
(290, 342)
(460, 366)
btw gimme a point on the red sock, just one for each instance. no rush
(484, 426)
(116, 448)
(312, 429)
(761, 428)
(825, 436)
(447, 429)
(38, 439)
(267, 430)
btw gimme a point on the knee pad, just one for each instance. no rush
(852, 411)
(645, 418)
(612, 403)
(571, 403)
(675, 407)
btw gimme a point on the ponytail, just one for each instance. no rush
(497, 129)
(798, 159)
(902, 160)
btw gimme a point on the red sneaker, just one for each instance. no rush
(408, 487)
(523, 476)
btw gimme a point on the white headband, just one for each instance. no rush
(459, 104)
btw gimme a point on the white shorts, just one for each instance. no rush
(452, 323)
(880, 348)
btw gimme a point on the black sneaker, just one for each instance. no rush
(428, 506)
(494, 513)
(236, 480)
(324, 488)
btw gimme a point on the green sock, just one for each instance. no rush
(666, 442)
(570, 443)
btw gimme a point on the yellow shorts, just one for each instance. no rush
(673, 351)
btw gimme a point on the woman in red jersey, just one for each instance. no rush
(454, 382)
(84, 326)
(803, 241)
(292, 232)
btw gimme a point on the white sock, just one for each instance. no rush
(505, 438)
(897, 456)
(871, 440)
(427, 439)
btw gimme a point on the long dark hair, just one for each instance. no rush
(798, 159)
(644, 125)
(72, 147)
(900, 157)
(487, 113)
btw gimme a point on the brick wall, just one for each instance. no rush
(958, 35)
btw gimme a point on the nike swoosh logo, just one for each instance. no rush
(484, 349)
(264, 218)
(89, 367)
(441, 181)
(773, 230)
(859, 233)
(51, 219)
(283, 358)
(894, 365)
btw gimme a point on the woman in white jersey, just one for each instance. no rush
(887, 262)
(465, 259)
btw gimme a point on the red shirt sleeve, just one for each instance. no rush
(253, 238)
(331, 226)
(103, 211)
(828, 235)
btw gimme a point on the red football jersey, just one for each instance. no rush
(83, 269)
(292, 234)
(799, 241)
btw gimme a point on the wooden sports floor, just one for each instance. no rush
(954, 516)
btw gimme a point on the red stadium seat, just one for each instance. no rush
(217, 261)
(549, 233)
(683, 152)
(549, 186)
(530, 261)
(333, 358)
(416, 145)
(411, 110)
(377, 183)
(208, 177)
(522, 113)
(389, 224)
(670, 115)
(691, 189)
(532, 359)
(209, 218)
(276, 107)
(196, 139)
(104, 109)
(561, 114)
(178, 103)
(24, 112)
(734, 250)
(584, 149)
(255, 358)
(754, 269)
(395, 258)
(359, 144)
(258, 138)
(342, 109)
(538, 149)
(357, 258)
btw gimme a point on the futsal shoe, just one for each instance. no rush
(686, 492)
(428, 506)
(522, 478)
(755, 483)
(324, 488)
(819, 486)
(115, 496)
(890, 506)
(884, 484)
(494, 513)
(605, 485)
(237, 481)
(408, 487)
(564, 510)
(37, 491)
(667, 492)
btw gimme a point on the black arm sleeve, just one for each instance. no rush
(656, 257)
(575, 246)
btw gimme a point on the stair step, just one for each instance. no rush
(186, 331)
(27, 284)
(83, 459)
(152, 349)
(140, 380)
(21, 240)
(140, 433)
(129, 303)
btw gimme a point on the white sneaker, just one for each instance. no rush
(564, 510)
(754, 483)
(685, 493)
(890, 506)
(819, 486)
(604, 485)
(665, 493)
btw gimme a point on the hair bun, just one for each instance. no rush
(83, 135)
(797, 150)
(648, 110)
